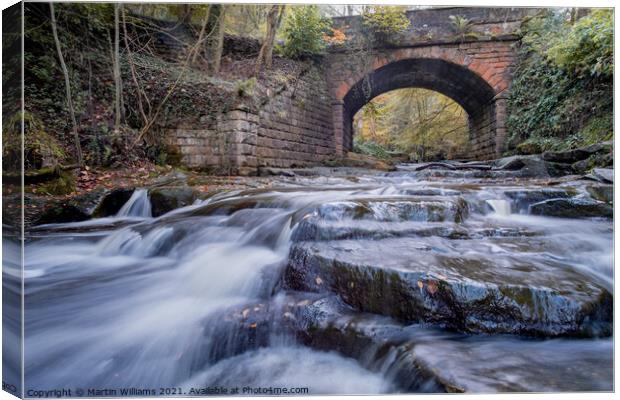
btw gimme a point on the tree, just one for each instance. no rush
(117, 69)
(215, 40)
(265, 56)
(304, 29)
(65, 71)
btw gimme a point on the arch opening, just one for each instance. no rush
(414, 124)
(460, 84)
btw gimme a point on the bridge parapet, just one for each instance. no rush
(433, 26)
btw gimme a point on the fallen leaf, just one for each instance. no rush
(432, 287)
(253, 326)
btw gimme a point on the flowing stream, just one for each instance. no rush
(206, 296)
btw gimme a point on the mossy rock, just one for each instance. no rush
(527, 148)
(64, 184)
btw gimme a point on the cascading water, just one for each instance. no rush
(205, 296)
(138, 205)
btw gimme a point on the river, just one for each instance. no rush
(386, 283)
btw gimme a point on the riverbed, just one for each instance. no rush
(396, 282)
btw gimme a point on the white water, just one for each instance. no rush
(501, 207)
(145, 305)
(138, 205)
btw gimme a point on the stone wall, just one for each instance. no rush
(295, 126)
(225, 146)
(292, 128)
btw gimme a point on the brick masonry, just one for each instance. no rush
(311, 119)
(293, 128)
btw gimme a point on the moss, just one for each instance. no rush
(40, 148)
(64, 184)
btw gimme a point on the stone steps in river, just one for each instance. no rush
(495, 285)
(423, 359)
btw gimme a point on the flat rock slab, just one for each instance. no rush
(521, 199)
(421, 359)
(572, 208)
(459, 284)
(604, 174)
(489, 365)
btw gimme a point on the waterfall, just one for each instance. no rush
(500, 207)
(138, 205)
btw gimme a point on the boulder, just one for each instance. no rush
(575, 155)
(532, 166)
(522, 199)
(62, 212)
(605, 175)
(450, 284)
(76, 209)
(601, 192)
(112, 202)
(166, 199)
(572, 208)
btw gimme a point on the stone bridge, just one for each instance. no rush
(312, 120)
(474, 68)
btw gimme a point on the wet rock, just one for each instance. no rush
(575, 155)
(314, 228)
(450, 284)
(426, 209)
(605, 175)
(533, 166)
(488, 364)
(601, 192)
(523, 198)
(357, 160)
(378, 343)
(572, 208)
(112, 202)
(559, 169)
(166, 199)
(62, 212)
(76, 209)
(268, 171)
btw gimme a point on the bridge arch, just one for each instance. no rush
(475, 75)
(464, 86)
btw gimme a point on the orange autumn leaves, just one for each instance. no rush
(337, 36)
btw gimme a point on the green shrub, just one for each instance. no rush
(562, 92)
(385, 20)
(370, 148)
(588, 49)
(462, 26)
(303, 32)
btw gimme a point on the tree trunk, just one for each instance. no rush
(117, 69)
(185, 14)
(195, 51)
(265, 56)
(215, 43)
(76, 136)
(133, 71)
